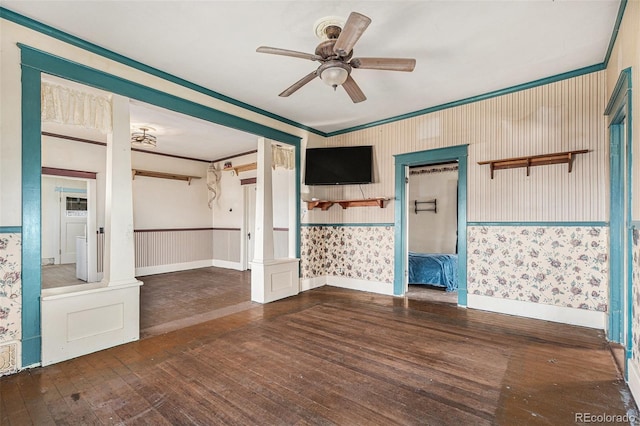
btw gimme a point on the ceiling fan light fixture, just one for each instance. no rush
(143, 139)
(334, 73)
(334, 77)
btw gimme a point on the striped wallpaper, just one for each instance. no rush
(562, 116)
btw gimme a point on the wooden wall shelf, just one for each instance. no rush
(243, 168)
(534, 160)
(162, 175)
(345, 204)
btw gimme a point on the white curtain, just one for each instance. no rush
(68, 106)
(282, 157)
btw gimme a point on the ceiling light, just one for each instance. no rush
(142, 139)
(334, 73)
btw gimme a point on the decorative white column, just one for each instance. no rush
(271, 279)
(119, 259)
(263, 249)
(105, 314)
(293, 211)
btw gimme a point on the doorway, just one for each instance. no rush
(401, 241)
(432, 232)
(249, 224)
(68, 213)
(619, 327)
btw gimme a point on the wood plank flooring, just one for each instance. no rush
(333, 356)
(175, 300)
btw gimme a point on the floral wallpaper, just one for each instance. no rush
(10, 287)
(361, 252)
(561, 266)
(635, 313)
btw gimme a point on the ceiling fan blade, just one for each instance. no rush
(292, 53)
(298, 84)
(353, 90)
(350, 34)
(390, 64)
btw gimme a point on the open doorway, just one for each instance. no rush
(432, 232)
(64, 232)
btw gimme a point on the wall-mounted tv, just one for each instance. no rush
(345, 165)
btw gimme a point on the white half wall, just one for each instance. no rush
(86, 321)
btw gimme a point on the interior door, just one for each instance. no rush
(73, 224)
(250, 215)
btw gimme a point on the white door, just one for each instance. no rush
(250, 216)
(73, 223)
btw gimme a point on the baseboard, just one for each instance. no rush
(163, 269)
(634, 379)
(361, 285)
(10, 357)
(311, 283)
(227, 264)
(582, 317)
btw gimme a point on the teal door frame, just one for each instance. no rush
(402, 162)
(618, 111)
(34, 63)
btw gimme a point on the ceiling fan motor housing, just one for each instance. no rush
(325, 49)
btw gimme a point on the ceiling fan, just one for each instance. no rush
(335, 54)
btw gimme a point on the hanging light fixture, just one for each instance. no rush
(334, 73)
(142, 139)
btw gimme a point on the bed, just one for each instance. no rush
(440, 270)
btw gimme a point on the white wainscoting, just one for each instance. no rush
(226, 244)
(168, 250)
(172, 246)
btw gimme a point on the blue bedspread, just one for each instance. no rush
(440, 270)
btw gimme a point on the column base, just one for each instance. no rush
(274, 279)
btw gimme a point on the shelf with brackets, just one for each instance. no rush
(162, 175)
(345, 204)
(534, 160)
(243, 168)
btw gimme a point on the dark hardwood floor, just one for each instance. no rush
(333, 356)
(176, 300)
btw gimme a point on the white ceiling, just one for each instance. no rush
(462, 48)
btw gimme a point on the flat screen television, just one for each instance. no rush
(345, 165)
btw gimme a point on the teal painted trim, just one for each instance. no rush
(70, 190)
(478, 98)
(616, 234)
(434, 155)
(629, 229)
(70, 70)
(298, 202)
(614, 34)
(402, 162)
(338, 225)
(617, 102)
(550, 224)
(10, 229)
(619, 112)
(93, 48)
(35, 62)
(31, 208)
